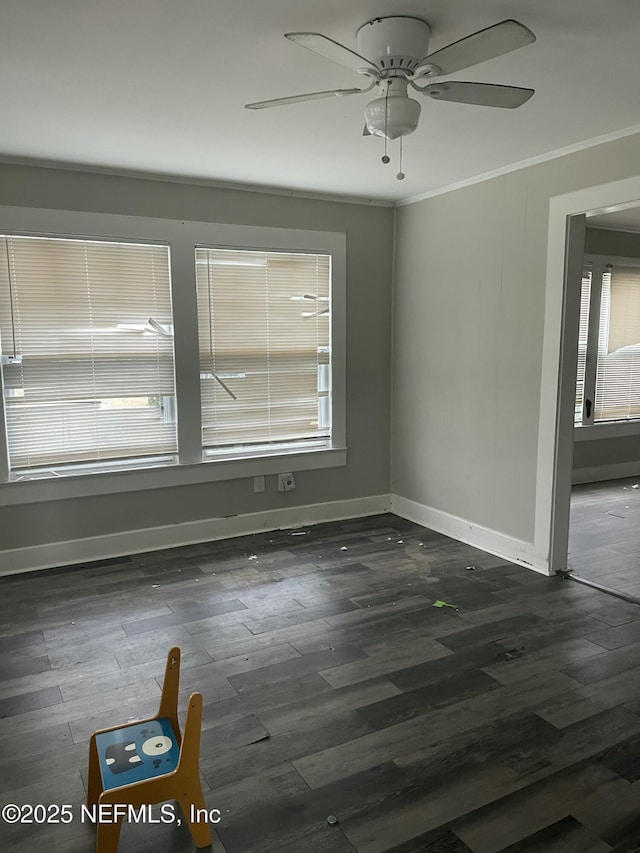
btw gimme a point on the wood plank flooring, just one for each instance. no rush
(333, 686)
(604, 534)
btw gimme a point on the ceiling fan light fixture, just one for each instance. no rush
(392, 116)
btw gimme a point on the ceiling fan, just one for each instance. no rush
(392, 53)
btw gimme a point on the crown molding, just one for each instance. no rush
(524, 164)
(623, 229)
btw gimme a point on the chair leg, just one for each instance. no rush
(194, 806)
(94, 780)
(108, 836)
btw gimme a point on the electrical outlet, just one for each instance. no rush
(258, 484)
(286, 483)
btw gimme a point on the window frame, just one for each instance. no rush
(313, 442)
(182, 237)
(589, 429)
(115, 461)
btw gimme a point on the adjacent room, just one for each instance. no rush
(319, 407)
(604, 544)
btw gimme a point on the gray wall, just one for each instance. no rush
(624, 450)
(468, 332)
(369, 258)
(602, 241)
(604, 453)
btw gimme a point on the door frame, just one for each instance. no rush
(565, 249)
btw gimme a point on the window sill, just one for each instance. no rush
(611, 429)
(163, 476)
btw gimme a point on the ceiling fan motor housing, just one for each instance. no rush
(394, 44)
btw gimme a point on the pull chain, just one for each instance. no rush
(386, 159)
(400, 175)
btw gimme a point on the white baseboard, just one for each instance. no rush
(207, 530)
(503, 546)
(600, 473)
(170, 536)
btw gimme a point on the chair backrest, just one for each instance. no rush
(170, 686)
(189, 760)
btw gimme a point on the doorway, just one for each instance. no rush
(605, 501)
(570, 217)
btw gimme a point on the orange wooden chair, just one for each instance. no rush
(149, 761)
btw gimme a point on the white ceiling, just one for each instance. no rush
(159, 86)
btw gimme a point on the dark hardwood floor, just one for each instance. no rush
(604, 534)
(334, 686)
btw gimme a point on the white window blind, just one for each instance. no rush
(585, 296)
(618, 369)
(91, 323)
(264, 331)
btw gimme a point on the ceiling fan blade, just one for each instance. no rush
(295, 99)
(485, 44)
(331, 49)
(481, 94)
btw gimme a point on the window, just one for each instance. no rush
(87, 351)
(585, 296)
(149, 358)
(264, 336)
(608, 380)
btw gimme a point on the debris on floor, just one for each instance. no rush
(332, 820)
(470, 568)
(298, 533)
(344, 548)
(511, 654)
(636, 486)
(444, 604)
(253, 557)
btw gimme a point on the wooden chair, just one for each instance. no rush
(149, 761)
